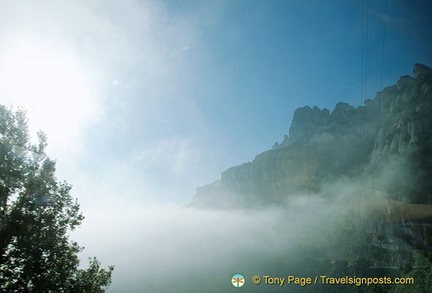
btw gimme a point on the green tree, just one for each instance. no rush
(37, 213)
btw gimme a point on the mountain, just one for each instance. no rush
(384, 145)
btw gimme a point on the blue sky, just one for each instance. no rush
(277, 56)
(174, 92)
(143, 101)
(271, 57)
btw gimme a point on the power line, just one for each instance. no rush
(378, 160)
(364, 69)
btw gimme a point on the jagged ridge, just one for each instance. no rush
(391, 131)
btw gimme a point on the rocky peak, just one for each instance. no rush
(342, 112)
(388, 139)
(307, 120)
(420, 69)
(405, 81)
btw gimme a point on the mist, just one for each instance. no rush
(170, 247)
(145, 101)
(160, 247)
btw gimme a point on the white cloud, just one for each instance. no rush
(172, 154)
(159, 247)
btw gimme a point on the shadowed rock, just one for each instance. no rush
(388, 141)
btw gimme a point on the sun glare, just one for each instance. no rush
(51, 85)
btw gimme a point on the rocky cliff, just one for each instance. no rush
(386, 142)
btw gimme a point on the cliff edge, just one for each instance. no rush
(387, 142)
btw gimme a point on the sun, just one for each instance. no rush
(50, 83)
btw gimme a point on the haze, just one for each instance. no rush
(143, 101)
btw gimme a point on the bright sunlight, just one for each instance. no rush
(51, 84)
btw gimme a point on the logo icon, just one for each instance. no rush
(256, 280)
(238, 280)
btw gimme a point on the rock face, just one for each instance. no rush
(388, 141)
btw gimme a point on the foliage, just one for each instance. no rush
(36, 214)
(420, 271)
